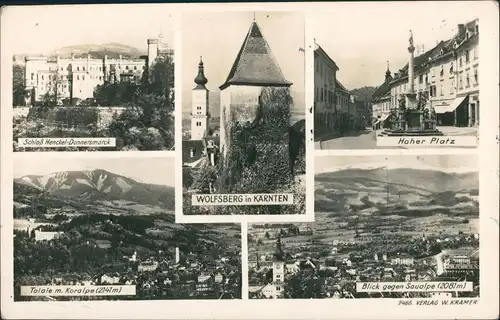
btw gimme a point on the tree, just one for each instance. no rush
(17, 85)
(147, 123)
(52, 96)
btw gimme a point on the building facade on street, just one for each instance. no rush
(78, 77)
(445, 79)
(325, 80)
(334, 106)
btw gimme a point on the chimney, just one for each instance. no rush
(461, 31)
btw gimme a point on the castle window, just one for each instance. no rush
(476, 77)
(83, 77)
(135, 67)
(100, 68)
(466, 56)
(83, 68)
(77, 77)
(420, 78)
(100, 78)
(32, 76)
(451, 67)
(441, 73)
(467, 81)
(78, 68)
(126, 67)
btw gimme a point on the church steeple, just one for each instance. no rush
(279, 255)
(388, 73)
(200, 79)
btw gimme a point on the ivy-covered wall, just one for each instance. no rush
(257, 156)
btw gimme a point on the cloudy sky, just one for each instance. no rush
(42, 29)
(218, 36)
(150, 169)
(446, 163)
(361, 37)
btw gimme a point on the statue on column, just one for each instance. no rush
(411, 39)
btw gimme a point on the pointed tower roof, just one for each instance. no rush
(255, 64)
(279, 255)
(200, 79)
(388, 72)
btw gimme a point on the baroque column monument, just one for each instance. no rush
(413, 119)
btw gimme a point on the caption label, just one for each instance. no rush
(428, 286)
(432, 141)
(65, 142)
(242, 199)
(78, 290)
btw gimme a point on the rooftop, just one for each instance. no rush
(255, 64)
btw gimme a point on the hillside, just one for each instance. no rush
(112, 50)
(409, 192)
(96, 185)
(364, 93)
(431, 180)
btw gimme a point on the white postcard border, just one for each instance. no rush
(272, 309)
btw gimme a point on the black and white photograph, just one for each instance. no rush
(378, 219)
(84, 224)
(243, 113)
(112, 80)
(414, 85)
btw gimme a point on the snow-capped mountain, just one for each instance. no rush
(99, 185)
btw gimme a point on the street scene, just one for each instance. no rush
(244, 113)
(97, 82)
(427, 84)
(84, 223)
(374, 225)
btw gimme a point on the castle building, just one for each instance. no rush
(254, 68)
(70, 78)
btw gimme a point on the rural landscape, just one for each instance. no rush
(95, 227)
(374, 223)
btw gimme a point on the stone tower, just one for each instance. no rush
(199, 110)
(152, 51)
(254, 68)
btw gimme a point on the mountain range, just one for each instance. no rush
(96, 185)
(430, 180)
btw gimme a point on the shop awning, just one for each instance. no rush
(451, 107)
(382, 118)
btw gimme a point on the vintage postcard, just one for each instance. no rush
(404, 226)
(109, 86)
(250, 161)
(243, 115)
(420, 88)
(104, 229)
